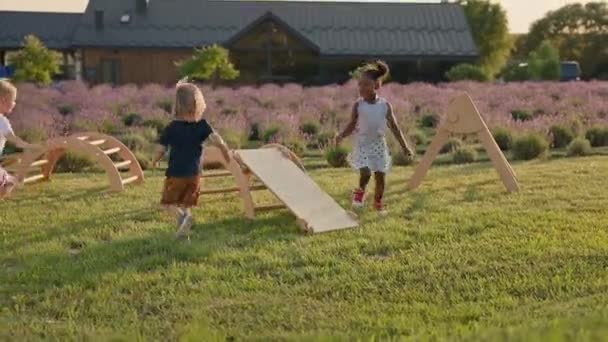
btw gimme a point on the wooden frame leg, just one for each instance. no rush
(431, 153)
(500, 162)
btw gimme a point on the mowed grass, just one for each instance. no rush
(459, 258)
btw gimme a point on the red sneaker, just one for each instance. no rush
(358, 198)
(379, 207)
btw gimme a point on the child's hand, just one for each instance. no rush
(409, 153)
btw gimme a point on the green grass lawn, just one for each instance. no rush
(459, 258)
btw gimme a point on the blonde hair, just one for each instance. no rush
(7, 90)
(189, 102)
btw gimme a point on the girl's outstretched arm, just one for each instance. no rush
(392, 124)
(350, 127)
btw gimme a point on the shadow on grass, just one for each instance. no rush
(85, 263)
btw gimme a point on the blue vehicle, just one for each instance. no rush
(569, 71)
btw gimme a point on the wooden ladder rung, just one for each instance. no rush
(257, 187)
(39, 163)
(129, 180)
(270, 207)
(122, 164)
(111, 150)
(33, 178)
(84, 137)
(218, 190)
(216, 174)
(232, 189)
(97, 142)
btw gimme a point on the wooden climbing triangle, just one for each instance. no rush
(464, 118)
(112, 155)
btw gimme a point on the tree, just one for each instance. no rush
(579, 32)
(544, 62)
(490, 29)
(463, 72)
(211, 62)
(34, 62)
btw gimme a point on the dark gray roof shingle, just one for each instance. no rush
(336, 28)
(54, 29)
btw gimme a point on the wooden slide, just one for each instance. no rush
(280, 171)
(108, 152)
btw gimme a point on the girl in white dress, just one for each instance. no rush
(371, 115)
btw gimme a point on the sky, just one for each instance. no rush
(521, 13)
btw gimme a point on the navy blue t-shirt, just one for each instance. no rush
(184, 141)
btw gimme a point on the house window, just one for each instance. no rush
(110, 71)
(125, 18)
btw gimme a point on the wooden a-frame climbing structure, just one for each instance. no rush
(109, 153)
(277, 169)
(464, 118)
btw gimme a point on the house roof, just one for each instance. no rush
(336, 28)
(332, 28)
(54, 29)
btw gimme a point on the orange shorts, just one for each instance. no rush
(181, 191)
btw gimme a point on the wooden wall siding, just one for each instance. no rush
(138, 66)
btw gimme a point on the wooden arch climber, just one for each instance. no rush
(464, 118)
(108, 152)
(242, 177)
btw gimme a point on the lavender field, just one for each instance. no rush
(72, 106)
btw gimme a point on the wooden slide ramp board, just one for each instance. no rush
(306, 200)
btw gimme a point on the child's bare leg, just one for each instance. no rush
(364, 177)
(380, 183)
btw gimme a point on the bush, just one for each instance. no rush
(310, 128)
(132, 119)
(324, 139)
(429, 120)
(561, 136)
(110, 128)
(419, 138)
(271, 133)
(166, 105)
(521, 115)
(597, 136)
(503, 138)
(451, 145)
(33, 135)
(158, 124)
(75, 162)
(337, 156)
(254, 132)
(296, 146)
(233, 139)
(464, 155)
(65, 109)
(134, 141)
(144, 160)
(579, 147)
(150, 134)
(401, 159)
(529, 147)
(464, 72)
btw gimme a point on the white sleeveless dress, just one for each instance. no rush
(369, 146)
